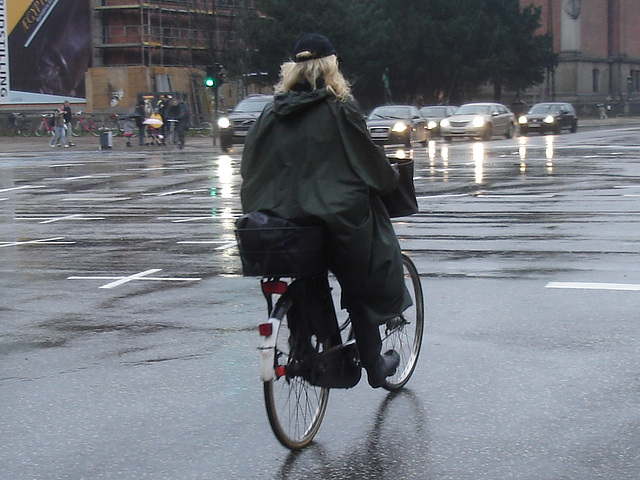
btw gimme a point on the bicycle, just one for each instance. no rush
(19, 124)
(297, 381)
(91, 125)
(202, 130)
(44, 128)
(118, 125)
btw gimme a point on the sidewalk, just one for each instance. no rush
(29, 145)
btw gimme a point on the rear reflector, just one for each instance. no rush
(265, 329)
(274, 286)
(280, 371)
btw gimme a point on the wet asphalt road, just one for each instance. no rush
(127, 335)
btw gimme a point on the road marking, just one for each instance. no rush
(96, 199)
(24, 187)
(121, 280)
(85, 177)
(225, 244)
(44, 241)
(594, 286)
(175, 192)
(184, 220)
(77, 216)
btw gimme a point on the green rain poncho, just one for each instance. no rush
(309, 155)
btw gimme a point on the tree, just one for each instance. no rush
(433, 50)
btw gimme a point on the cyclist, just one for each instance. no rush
(177, 110)
(309, 155)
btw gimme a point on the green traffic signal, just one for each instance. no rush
(209, 82)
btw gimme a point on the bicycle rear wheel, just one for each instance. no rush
(295, 408)
(205, 129)
(404, 333)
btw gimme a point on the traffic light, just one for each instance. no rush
(213, 76)
(210, 77)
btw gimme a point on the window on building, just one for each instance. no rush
(596, 80)
(635, 80)
(163, 82)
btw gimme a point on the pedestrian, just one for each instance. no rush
(178, 112)
(68, 120)
(140, 117)
(59, 137)
(309, 156)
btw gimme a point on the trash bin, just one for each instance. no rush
(106, 140)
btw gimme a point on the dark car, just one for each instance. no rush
(479, 120)
(434, 114)
(397, 124)
(233, 128)
(549, 117)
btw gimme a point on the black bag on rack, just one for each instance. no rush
(401, 202)
(274, 247)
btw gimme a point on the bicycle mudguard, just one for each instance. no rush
(267, 351)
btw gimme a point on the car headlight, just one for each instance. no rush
(478, 122)
(399, 127)
(444, 123)
(224, 122)
(432, 124)
(549, 119)
(522, 120)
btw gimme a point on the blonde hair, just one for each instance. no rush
(325, 68)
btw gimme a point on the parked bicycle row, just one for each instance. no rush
(82, 123)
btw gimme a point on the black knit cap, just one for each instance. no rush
(317, 45)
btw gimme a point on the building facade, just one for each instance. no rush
(598, 43)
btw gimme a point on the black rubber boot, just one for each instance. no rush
(378, 367)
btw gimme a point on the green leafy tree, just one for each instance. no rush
(434, 51)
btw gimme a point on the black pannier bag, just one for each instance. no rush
(271, 246)
(401, 202)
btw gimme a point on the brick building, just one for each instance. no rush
(598, 42)
(158, 46)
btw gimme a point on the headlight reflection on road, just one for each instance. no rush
(549, 152)
(224, 178)
(444, 153)
(522, 152)
(478, 160)
(225, 175)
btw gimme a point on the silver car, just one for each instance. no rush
(479, 120)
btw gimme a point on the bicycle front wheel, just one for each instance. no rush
(295, 407)
(41, 130)
(95, 127)
(404, 333)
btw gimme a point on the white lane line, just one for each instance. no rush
(24, 187)
(77, 216)
(175, 192)
(121, 280)
(185, 220)
(225, 244)
(44, 241)
(594, 286)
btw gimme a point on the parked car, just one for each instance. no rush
(479, 120)
(435, 114)
(549, 117)
(397, 124)
(233, 128)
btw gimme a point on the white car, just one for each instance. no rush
(479, 120)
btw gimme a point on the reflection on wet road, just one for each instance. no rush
(128, 344)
